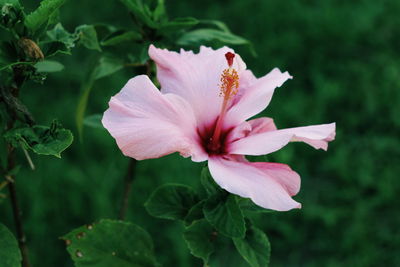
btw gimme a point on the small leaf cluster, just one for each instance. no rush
(153, 23)
(217, 224)
(41, 139)
(28, 44)
(29, 41)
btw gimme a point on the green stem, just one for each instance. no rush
(17, 213)
(16, 209)
(130, 174)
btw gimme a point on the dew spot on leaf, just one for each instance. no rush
(79, 254)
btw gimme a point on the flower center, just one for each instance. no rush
(229, 87)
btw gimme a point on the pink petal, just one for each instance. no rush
(255, 126)
(283, 174)
(261, 125)
(255, 97)
(147, 124)
(238, 132)
(270, 187)
(263, 143)
(195, 77)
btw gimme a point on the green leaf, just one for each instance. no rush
(105, 66)
(58, 40)
(42, 14)
(215, 249)
(139, 10)
(226, 254)
(204, 35)
(82, 103)
(54, 18)
(223, 212)
(254, 248)
(171, 201)
(12, 2)
(208, 182)
(88, 37)
(199, 238)
(160, 14)
(10, 255)
(195, 213)
(40, 139)
(59, 34)
(110, 244)
(218, 24)
(201, 36)
(119, 37)
(143, 56)
(49, 66)
(94, 121)
(177, 25)
(54, 48)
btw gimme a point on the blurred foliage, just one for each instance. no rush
(345, 59)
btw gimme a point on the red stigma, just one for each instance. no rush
(229, 57)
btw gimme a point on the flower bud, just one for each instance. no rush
(30, 48)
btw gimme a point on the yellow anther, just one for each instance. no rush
(229, 83)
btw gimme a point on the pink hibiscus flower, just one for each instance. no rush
(201, 112)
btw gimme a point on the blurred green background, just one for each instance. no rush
(345, 59)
